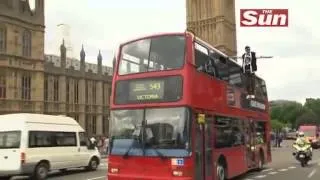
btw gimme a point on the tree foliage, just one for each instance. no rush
(294, 113)
(276, 124)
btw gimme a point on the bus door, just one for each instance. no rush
(250, 143)
(203, 148)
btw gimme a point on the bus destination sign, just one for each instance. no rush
(146, 90)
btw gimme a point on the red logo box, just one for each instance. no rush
(264, 17)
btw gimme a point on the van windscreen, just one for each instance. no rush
(10, 139)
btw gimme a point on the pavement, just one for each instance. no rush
(283, 167)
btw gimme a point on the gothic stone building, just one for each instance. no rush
(78, 89)
(33, 82)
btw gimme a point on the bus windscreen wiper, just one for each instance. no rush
(137, 137)
(163, 157)
(126, 155)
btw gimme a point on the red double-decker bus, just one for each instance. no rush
(179, 111)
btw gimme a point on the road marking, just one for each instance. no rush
(273, 173)
(282, 170)
(260, 177)
(266, 170)
(101, 177)
(292, 167)
(312, 173)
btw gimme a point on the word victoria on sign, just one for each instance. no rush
(264, 17)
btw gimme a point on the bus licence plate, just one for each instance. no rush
(301, 156)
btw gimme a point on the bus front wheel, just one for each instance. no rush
(221, 172)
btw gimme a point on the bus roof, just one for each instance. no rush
(21, 118)
(182, 33)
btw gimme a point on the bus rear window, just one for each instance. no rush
(152, 54)
(10, 139)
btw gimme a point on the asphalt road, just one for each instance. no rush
(283, 167)
(76, 174)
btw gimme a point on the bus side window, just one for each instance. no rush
(260, 128)
(223, 132)
(235, 74)
(238, 132)
(203, 62)
(221, 66)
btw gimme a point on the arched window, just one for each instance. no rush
(3, 38)
(26, 43)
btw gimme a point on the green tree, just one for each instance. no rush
(314, 105)
(308, 117)
(276, 124)
(287, 112)
(291, 112)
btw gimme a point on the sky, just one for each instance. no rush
(103, 24)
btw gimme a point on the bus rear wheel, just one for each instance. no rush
(221, 172)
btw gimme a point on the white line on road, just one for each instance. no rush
(273, 173)
(260, 177)
(282, 170)
(266, 170)
(95, 178)
(312, 173)
(292, 167)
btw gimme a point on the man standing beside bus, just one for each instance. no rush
(249, 66)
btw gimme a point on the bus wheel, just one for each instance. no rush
(221, 172)
(260, 162)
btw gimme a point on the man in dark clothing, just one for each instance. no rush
(249, 66)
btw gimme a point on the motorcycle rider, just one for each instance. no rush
(302, 140)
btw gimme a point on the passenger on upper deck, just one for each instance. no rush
(249, 66)
(208, 67)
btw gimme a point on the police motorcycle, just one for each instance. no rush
(302, 153)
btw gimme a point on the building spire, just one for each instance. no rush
(82, 54)
(99, 56)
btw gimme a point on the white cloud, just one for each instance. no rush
(291, 74)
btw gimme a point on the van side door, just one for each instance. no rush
(84, 151)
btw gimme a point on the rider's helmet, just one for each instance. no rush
(301, 134)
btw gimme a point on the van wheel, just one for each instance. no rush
(41, 171)
(93, 164)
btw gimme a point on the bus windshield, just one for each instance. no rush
(152, 54)
(146, 132)
(10, 139)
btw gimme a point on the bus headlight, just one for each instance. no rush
(177, 173)
(114, 170)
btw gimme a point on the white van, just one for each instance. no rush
(34, 144)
